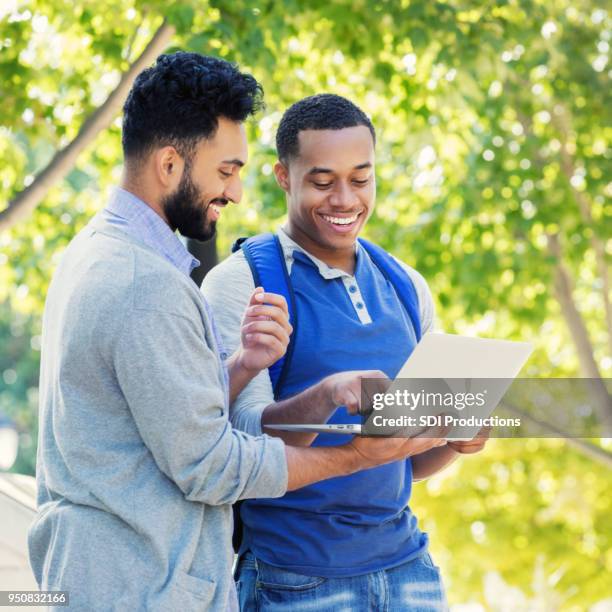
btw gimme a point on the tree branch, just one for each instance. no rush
(63, 161)
(563, 289)
(568, 167)
(579, 333)
(587, 448)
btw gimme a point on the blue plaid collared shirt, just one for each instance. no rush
(133, 216)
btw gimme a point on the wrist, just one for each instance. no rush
(237, 366)
(351, 460)
(239, 375)
(328, 388)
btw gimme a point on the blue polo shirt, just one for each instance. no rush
(349, 525)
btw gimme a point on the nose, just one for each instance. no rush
(233, 189)
(343, 196)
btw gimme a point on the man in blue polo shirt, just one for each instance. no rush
(351, 543)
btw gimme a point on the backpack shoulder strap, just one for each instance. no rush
(266, 259)
(399, 278)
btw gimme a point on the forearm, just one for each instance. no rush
(429, 463)
(239, 376)
(313, 405)
(308, 465)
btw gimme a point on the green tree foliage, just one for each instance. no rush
(493, 169)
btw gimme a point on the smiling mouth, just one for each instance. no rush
(340, 220)
(341, 223)
(216, 206)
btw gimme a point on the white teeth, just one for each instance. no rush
(340, 220)
(215, 208)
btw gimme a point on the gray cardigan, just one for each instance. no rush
(137, 463)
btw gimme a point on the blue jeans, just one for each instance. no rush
(415, 586)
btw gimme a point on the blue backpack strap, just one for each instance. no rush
(266, 259)
(399, 278)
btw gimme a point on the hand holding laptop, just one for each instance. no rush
(381, 450)
(469, 447)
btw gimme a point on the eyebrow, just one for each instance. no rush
(319, 170)
(234, 162)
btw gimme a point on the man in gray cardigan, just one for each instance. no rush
(138, 464)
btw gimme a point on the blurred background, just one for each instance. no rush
(494, 181)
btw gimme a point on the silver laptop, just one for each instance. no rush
(457, 360)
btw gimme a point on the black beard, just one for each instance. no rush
(185, 211)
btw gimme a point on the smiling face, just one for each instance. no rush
(331, 189)
(208, 182)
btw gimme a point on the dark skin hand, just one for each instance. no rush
(470, 447)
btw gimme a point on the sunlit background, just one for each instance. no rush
(493, 170)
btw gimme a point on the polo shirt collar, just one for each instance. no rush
(289, 246)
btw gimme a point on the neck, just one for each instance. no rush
(138, 188)
(341, 258)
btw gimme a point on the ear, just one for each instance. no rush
(281, 172)
(169, 166)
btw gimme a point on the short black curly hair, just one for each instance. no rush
(178, 102)
(319, 112)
